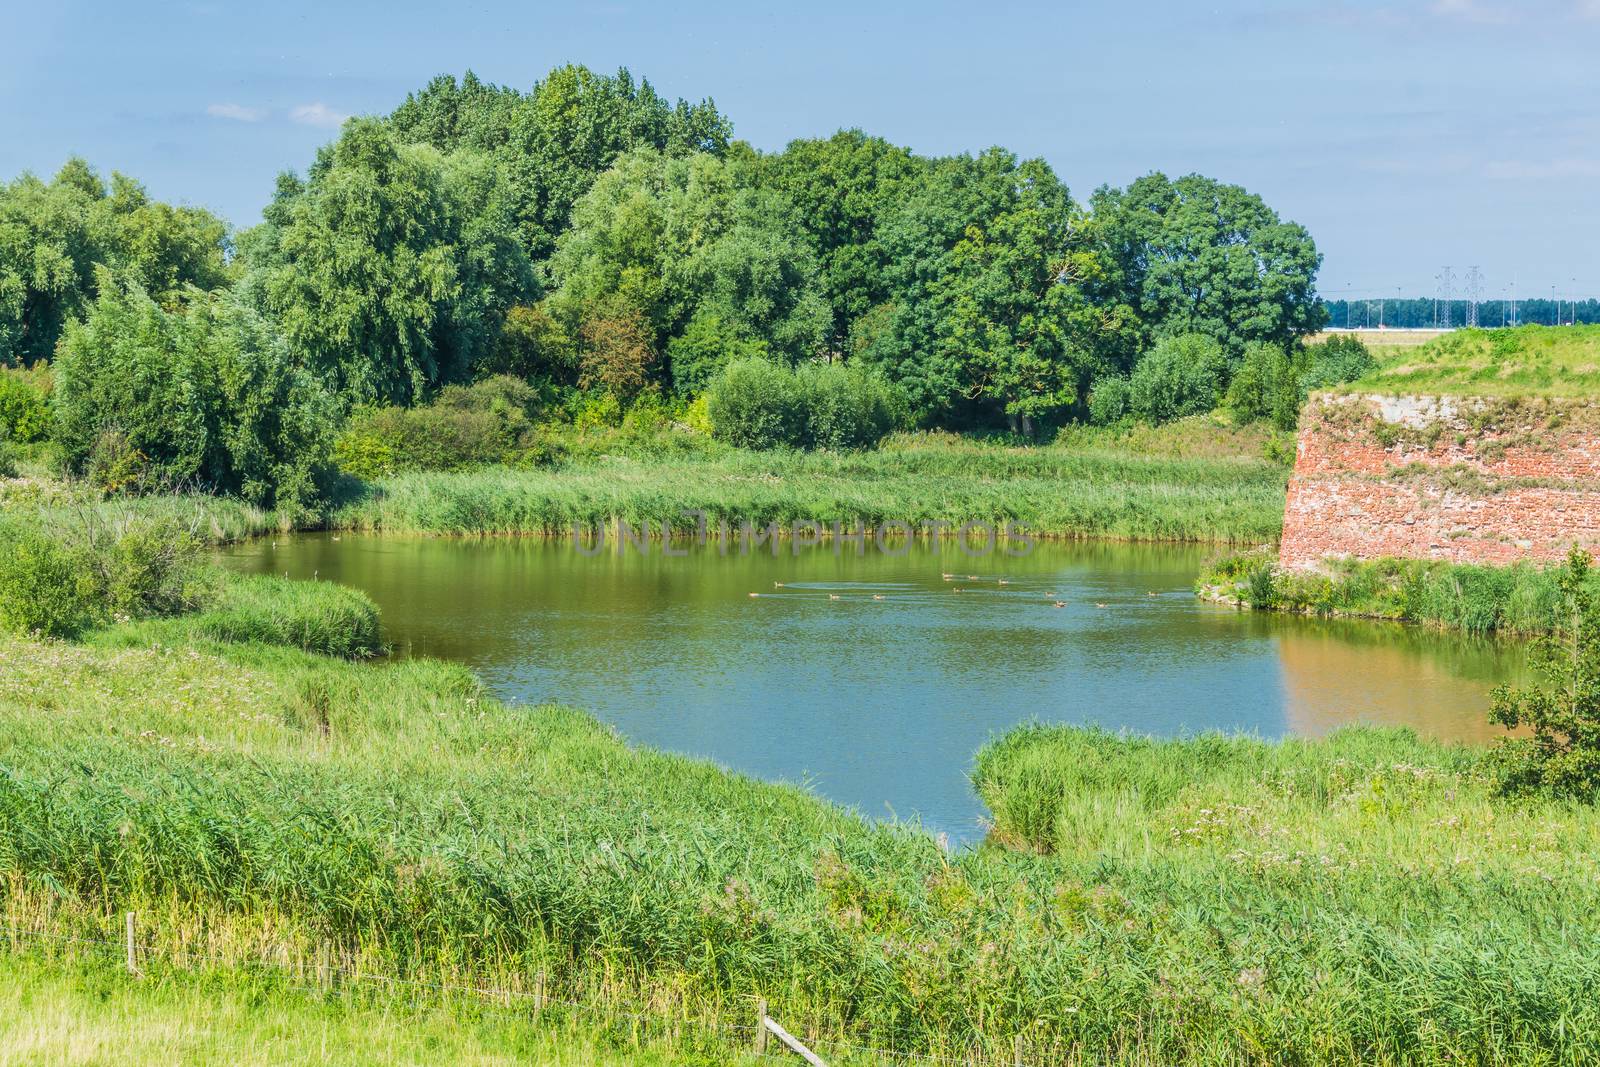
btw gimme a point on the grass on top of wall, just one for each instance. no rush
(1554, 361)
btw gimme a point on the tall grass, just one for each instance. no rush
(1356, 901)
(1521, 599)
(1055, 491)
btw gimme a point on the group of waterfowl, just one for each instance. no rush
(959, 589)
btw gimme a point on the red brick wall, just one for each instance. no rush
(1459, 479)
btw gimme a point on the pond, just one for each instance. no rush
(873, 678)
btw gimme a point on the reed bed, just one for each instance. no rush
(1519, 600)
(1357, 900)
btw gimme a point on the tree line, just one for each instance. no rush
(1429, 313)
(609, 248)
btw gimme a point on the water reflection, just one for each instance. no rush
(872, 677)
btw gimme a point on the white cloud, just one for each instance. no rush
(1522, 170)
(318, 114)
(236, 112)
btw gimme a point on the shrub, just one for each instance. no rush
(532, 345)
(845, 407)
(8, 456)
(1335, 361)
(1267, 386)
(1562, 757)
(205, 396)
(59, 581)
(706, 346)
(1108, 400)
(24, 409)
(755, 403)
(476, 425)
(1180, 376)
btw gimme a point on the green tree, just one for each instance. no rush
(677, 237)
(991, 315)
(551, 142)
(205, 395)
(1198, 256)
(391, 266)
(52, 235)
(1562, 755)
(843, 188)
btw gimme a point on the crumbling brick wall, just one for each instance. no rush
(1463, 479)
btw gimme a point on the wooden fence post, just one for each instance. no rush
(761, 1026)
(133, 963)
(1016, 1047)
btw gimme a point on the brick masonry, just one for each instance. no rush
(1463, 479)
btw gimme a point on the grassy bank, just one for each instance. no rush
(1191, 481)
(1095, 486)
(1363, 897)
(1559, 361)
(1356, 900)
(1518, 600)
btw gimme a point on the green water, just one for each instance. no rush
(871, 678)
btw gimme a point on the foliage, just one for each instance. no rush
(1520, 599)
(204, 396)
(1268, 386)
(1199, 256)
(844, 188)
(757, 404)
(1339, 359)
(1109, 400)
(990, 313)
(533, 346)
(58, 579)
(24, 406)
(489, 422)
(1367, 898)
(706, 346)
(617, 352)
(1526, 361)
(1562, 757)
(552, 141)
(679, 238)
(390, 267)
(53, 235)
(1181, 376)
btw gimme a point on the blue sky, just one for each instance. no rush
(1405, 135)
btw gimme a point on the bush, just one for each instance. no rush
(58, 582)
(1562, 757)
(846, 408)
(1337, 360)
(8, 456)
(706, 346)
(206, 396)
(757, 404)
(24, 407)
(489, 422)
(1267, 386)
(1108, 400)
(1181, 376)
